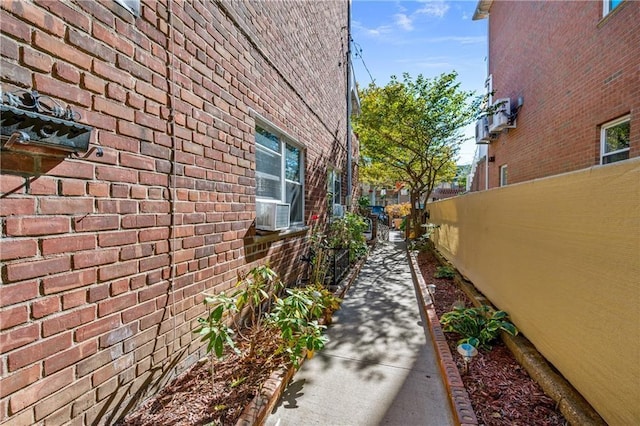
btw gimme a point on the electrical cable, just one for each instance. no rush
(358, 54)
(171, 58)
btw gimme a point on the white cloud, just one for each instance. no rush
(463, 40)
(458, 39)
(430, 8)
(435, 8)
(371, 32)
(400, 6)
(403, 21)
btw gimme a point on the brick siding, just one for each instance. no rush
(575, 72)
(105, 259)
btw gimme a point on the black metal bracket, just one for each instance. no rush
(28, 118)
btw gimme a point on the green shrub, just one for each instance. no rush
(478, 326)
(348, 232)
(421, 243)
(297, 315)
(364, 205)
(213, 327)
(445, 272)
(255, 289)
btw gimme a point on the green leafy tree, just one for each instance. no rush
(412, 129)
(378, 175)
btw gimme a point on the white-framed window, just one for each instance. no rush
(503, 175)
(614, 140)
(334, 186)
(488, 85)
(334, 191)
(280, 170)
(609, 5)
(132, 6)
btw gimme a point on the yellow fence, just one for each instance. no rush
(562, 256)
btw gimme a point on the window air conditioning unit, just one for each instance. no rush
(272, 215)
(482, 131)
(338, 210)
(500, 119)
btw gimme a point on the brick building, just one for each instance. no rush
(565, 79)
(202, 110)
(571, 74)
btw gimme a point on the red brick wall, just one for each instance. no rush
(574, 70)
(105, 259)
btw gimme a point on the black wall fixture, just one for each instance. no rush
(29, 118)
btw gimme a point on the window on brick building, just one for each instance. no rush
(614, 140)
(503, 175)
(280, 171)
(334, 192)
(609, 5)
(132, 6)
(488, 85)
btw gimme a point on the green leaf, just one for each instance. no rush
(509, 328)
(499, 315)
(493, 326)
(216, 314)
(219, 348)
(476, 325)
(473, 341)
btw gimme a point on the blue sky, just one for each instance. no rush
(428, 37)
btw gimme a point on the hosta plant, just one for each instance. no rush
(478, 326)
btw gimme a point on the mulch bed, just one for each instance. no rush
(197, 398)
(501, 391)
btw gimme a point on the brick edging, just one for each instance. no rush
(457, 393)
(257, 411)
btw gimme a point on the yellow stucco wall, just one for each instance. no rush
(562, 256)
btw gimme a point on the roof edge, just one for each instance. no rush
(482, 9)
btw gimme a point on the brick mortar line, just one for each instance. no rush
(251, 40)
(456, 392)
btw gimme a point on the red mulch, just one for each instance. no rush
(195, 399)
(501, 391)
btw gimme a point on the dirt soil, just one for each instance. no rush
(501, 391)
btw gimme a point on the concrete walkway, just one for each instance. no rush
(378, 367)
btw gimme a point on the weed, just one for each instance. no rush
(237, 382)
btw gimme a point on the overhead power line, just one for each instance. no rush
(357, 52)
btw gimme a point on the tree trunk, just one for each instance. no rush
(416, 214)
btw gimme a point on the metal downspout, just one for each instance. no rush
(349, 106)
